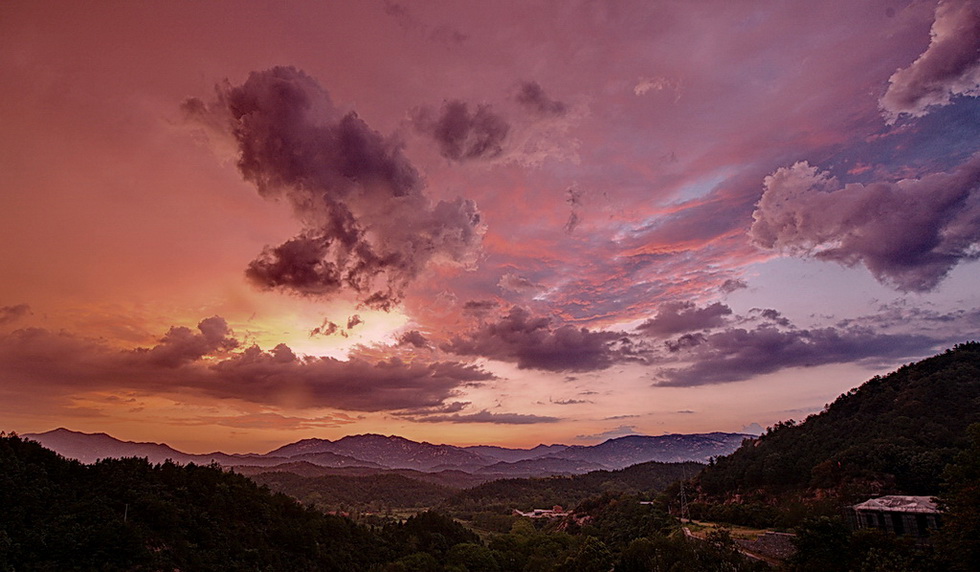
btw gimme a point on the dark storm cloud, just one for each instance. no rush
(462, 135)
(533, 97)
(10, 314)
(908, 233)
(369, 227)
(738, 354)
(485, 416)
(205, 363)
(533, 343)
(949, 67)
(679, 317)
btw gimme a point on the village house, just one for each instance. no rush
(903, 515)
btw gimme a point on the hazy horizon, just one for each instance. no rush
(232, 227)
(264, 452)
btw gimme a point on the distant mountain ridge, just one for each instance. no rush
(379, 452)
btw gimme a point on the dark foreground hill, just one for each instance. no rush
(892, 435)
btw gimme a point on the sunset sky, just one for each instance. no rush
(234, 225)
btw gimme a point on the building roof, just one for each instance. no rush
(900, 503)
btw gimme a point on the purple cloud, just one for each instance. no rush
(413, 338)
(949, 67)
(462, 135)
(180, 345)
(679, 317)
(533, 97)
(533, 344)
(346, 183)
(908, 233)
(738, 354)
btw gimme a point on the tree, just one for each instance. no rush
(960, 501)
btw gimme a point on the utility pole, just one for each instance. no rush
(685, 515)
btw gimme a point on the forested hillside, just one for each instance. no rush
(893, 434)
(647, 479)
(131, 515)
(362, 493)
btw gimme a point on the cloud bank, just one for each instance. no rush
(208, 362)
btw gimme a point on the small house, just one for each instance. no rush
(903, 515)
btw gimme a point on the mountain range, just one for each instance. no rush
(378, 452)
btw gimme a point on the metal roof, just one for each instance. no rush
(900, 503)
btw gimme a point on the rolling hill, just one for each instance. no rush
(894, 434)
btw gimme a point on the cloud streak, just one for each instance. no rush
(485, 416)
(737, 354)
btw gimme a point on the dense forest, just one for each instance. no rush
(368, 493)
(645, 479)
(130, 515)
